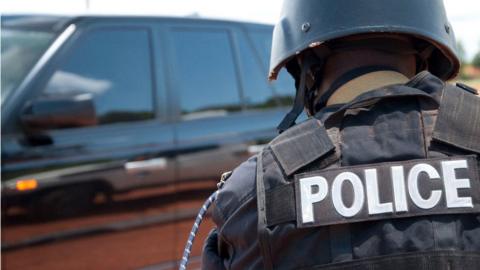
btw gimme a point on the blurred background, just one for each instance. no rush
(119, 116)
(463, 14)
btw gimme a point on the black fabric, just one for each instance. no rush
(301, 145)
(280, 205)
(366, 100)
(262, 218)
(246, 241)
(445, 232)
(458, 122)
(422, 261)
(211, 260)
(238, 241)
(389, 137)
(340, 242)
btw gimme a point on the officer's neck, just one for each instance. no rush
(364, 83)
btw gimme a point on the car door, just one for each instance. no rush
(130, 144)
(223, 116)
(227, 110)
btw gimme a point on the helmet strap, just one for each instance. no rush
(300, 97)
(423, 56)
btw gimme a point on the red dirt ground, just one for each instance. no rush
(131, 249)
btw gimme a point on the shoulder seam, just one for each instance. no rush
(240, 206)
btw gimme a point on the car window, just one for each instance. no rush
(257, 92)
(205, 73)
(284, 85)
(20, 50)
(113, 66)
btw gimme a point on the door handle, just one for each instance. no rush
(39, 139)
(146, 165)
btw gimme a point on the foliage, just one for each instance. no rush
(476, 60)
(461, 52)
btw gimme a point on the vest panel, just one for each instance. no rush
(398, 128)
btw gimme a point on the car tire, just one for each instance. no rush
(63, 202)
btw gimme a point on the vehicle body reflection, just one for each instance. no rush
(118, 130)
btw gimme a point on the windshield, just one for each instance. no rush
(20, 50)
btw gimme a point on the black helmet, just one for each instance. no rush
(318, 24)
(309, 23)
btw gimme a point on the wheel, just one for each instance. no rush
(63, 202)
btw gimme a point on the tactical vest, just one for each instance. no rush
(324, 204)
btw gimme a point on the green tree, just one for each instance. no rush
(462, 55)
(476, 60)
(461, 52)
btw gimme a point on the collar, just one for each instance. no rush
(364, 83)
(424, 85)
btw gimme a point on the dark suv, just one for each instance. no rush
(94, 107)
(109, 104)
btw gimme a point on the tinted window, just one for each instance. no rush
(263, 43)
(20, 51)
(205, 72)
(114, 67)
(257, 92)
(284, 85)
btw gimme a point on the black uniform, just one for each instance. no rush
(399, 141)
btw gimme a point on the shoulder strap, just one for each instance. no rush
(262, 217)
(301, 145)
(458, 121)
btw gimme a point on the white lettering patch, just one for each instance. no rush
(388, 190)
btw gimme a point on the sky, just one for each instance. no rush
(464, 14)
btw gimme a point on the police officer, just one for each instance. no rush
(384, 174)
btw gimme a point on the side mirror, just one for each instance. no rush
(60, 112)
